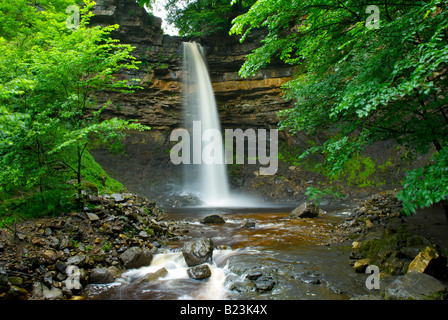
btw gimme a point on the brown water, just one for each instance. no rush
(293, 252)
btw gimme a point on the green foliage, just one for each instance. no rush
(204, 17)
(426, 186)
(317, 195)
(49, 76)
(360, 85)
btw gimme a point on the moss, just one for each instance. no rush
(94, 174)
(61, 198)
(382, 247)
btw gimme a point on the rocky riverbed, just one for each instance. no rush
(55, 258)
(58, 258)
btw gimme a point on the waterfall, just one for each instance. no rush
(206, 178)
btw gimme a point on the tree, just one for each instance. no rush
(49, 76)
(361, 84)
(204, 17)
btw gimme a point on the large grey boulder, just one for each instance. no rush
(416, 286)
(198, 252)
(136, 257)
(305, 210)
(199, 272)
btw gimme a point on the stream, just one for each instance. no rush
(290, 256)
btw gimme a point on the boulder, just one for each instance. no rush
(118, 197)
(136, 257)
(264, 284)
(101, 276)
(305, 210)
(248, 224)
(198, 252)
(429, 261)
(153, 276)
(4, 283)
(361, 265)
(416, 286)
(78, 260)
(49, 255)
(16, 293)
(52, 294)
(213, 219)
(92, 217)
(199, 272)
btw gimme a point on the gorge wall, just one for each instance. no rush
(242, 103)
(251, 102)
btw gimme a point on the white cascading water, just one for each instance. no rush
(214, 288)
(210, 182)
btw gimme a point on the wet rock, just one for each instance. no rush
(361, 265)
(37, 292)
(153, 276)
(118, 197)
(429, 261)
(100, 276)
(199, 272)
(264, 284)
(248, 224)
(92, 217)
(253, 275)
(305, 210)
(78, 260)
(16, 293)
(198, 252)
(416, 286)
(4, 284)
(242, 286)
(52, 293)
(213, 219)
(16, 281)
(136, 257)
(49, 255)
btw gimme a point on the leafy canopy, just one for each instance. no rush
(49, 77)
(361, 84)
(203, 17)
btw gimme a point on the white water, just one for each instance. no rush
(210, 181)
(213, 288)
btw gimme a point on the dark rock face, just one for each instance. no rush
(250, 102)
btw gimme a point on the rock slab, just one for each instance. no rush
(416, 286)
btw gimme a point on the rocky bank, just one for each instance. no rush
(55, 258)
(412, 266)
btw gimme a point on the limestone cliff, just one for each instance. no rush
(251, 102)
